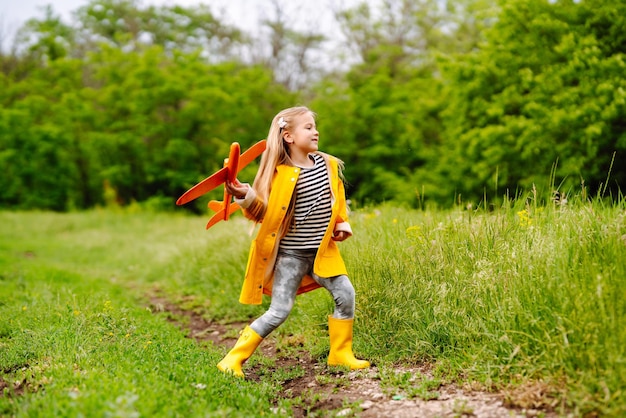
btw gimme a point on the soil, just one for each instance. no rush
(324, 391)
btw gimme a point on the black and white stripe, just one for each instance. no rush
(313, 208)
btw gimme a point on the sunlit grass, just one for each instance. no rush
(77, 337)
(525, 293)
(498, 296)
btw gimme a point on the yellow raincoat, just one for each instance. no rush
(328, 262)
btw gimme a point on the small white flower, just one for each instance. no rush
(282, 123)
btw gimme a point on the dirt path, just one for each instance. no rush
(325, 392)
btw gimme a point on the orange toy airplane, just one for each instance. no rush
(232, 165)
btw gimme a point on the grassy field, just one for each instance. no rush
(528, 296)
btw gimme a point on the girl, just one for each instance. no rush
(299, 199)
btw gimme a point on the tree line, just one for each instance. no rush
(425, 101)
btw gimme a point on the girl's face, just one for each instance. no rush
(303, 137)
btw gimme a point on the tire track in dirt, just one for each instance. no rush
(328, 392)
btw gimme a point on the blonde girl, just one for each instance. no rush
(298, 197)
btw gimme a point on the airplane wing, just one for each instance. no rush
(205, 186)
(251, 154)
(232, 166)
(221, 213)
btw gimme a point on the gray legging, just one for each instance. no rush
(290, 268)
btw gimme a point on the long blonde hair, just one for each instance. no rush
(276, 152)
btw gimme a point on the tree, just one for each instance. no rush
(545, 91)
(127, 25)
(384, 116)
(47, 39)
(165, 123)
(37, 148)
(287, 46)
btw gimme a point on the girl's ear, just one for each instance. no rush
(287, 137)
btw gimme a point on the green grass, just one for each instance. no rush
(519, 296)
(75, 330)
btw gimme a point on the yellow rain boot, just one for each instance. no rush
(243, 349)
(340, 331)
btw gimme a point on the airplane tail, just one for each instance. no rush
(220, 212)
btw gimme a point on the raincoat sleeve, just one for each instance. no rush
(342, 223)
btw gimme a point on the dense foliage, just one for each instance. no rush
(439, 101)
(546, 88)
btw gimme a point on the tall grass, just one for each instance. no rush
(526, 293)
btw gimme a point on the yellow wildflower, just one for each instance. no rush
(107, 306)
(413, 231)
(524, 217)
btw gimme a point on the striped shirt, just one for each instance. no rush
(313, 208)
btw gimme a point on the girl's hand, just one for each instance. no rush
(236, 189)
(340, 236)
